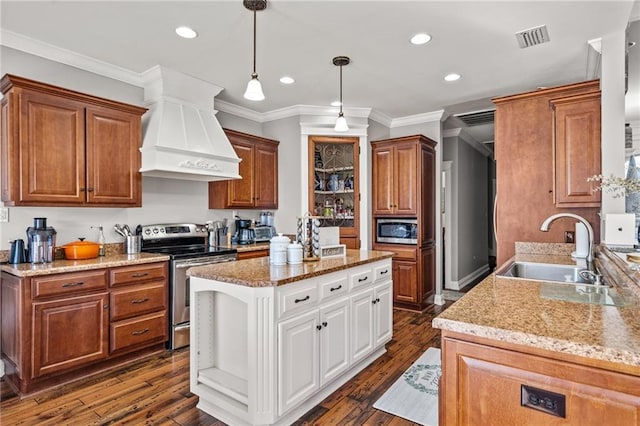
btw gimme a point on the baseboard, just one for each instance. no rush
(460, 284)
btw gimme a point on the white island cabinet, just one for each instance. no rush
(268, 343)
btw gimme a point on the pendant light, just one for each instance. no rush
(254, 88)
(341, 122)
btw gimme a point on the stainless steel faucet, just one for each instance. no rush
(545, 227)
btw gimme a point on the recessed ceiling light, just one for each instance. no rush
(421, 38)
(287, 80)
(335, 103)
(452, 77)
(186, 32)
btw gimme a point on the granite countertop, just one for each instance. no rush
(248, 247)
(259, 273)
(63, 265)
(513, 310)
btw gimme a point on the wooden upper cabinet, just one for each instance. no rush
(395, 177)
(64, 148)
(577, 149)
(113, 157)
(258, 188)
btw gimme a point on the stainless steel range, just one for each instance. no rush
(187, 246)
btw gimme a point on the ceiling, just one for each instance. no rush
(299, 39)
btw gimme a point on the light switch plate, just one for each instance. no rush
(4, 214)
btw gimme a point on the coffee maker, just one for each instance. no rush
(244, 232)
(41, 241)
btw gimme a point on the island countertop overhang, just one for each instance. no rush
(258, 272)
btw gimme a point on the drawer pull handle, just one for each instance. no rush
(76, 284)
(335, 288)
(144, 274)
(134, 301)
(386, 271)
(363, 279)
(324, 324)
(318, 327)
(304, 299)
(139, 332)
(374, 301)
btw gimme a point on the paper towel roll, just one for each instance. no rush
(582, 241)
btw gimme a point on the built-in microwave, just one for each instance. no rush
(397, 231)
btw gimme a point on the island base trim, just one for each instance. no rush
(290, 417)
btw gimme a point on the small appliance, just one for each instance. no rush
(41, 240)
(264, 233)
(397, 231)
(245, 234)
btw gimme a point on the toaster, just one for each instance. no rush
(264, 233)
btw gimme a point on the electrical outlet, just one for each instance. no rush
(570, 237)
(4, 214)
(542, 400)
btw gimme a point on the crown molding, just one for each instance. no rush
(238, 111)
(410, 120)
(68, 57)
(381, 118)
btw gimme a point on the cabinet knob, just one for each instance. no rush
(324, 324)
(318, 327)
(90, 190)
(374, 301)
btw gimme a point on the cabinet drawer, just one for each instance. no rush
(138, 300)
(137, 273)
(65, 284)
(382, 272)
(296, 297)
(362, 277)
(138, 331)
(334, 285)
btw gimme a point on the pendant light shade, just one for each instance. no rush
(341, 122)
(254, 88)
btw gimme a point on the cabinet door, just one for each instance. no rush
(334, 340)
(577, 149)
(383, 180)
(383, 313)
(113, 157)
(428, 279)
(241, 190)
(361, 325)
(298, 364)
(266, 177)
(405, 281)
(52, 162)
(68, 333)
(406, 179)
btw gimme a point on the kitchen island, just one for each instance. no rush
(514, 352)
(269, 342)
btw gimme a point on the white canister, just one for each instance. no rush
(294, 253)
(277, 244)
(278, 257)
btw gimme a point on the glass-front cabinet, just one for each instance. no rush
(334, 193)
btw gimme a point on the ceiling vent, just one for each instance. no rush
(477, 118)
(532, 36)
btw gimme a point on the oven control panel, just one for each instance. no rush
(173, 230)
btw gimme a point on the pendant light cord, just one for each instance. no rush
(254, 44)
(340, 89)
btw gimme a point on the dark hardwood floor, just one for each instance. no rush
(156, 391)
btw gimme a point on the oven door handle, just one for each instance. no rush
(182, 265)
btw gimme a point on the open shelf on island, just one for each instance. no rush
(226, 383)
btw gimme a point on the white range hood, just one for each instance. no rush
(182, 137)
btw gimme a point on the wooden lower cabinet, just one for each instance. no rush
(60, 327)
(252, 254)
(69, 333)
(486, 385)
(413, 274)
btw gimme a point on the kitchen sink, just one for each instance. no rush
(555, 279)
(544, 272)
